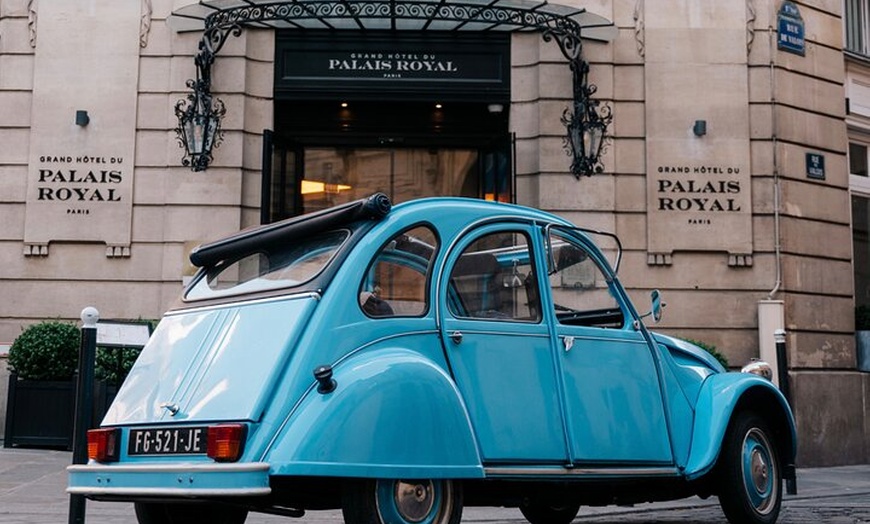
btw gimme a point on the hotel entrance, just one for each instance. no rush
(409, 115)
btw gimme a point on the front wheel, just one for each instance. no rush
(402, 502)
(188, 513)
(538, 512)
(750, 479)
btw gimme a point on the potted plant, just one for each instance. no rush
(41, 396)
(862, 337)
(43, 361)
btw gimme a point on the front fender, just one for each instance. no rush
(720, 397)
(393, 414)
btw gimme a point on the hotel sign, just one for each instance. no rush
(697, 204)
(376, 63)
(80, 173)
(80, 197)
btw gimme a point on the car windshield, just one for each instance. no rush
(287, 266)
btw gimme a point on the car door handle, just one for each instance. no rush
(456, 337)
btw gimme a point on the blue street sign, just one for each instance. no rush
(815, 166)
(790, 29)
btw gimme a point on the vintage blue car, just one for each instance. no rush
(402, 362)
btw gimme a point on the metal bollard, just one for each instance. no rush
(782, 364)
(84, 404)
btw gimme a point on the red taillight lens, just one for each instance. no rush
(104, 444)
(226, 442)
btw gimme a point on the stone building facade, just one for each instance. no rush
(727, 176)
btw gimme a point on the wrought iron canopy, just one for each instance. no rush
(566, 25)
(401, 15)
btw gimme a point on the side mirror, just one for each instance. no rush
(657, 305)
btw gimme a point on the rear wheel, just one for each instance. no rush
(188, 513)
(402, 502)
(750, 479)
(537, 512)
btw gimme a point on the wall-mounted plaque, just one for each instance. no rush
(80, 173)
(699, 203)
(790, 29)
(815, 166)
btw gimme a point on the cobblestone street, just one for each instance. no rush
(33, 483)
(851, 509)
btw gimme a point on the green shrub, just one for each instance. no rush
(711, 349)
(862, 318)
(113, 364)
(47, 350)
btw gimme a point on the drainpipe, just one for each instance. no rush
(771, 312)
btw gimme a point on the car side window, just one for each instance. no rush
(396, 282)
(493, 279)
(581, 291)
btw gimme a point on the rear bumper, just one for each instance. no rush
(169, 480)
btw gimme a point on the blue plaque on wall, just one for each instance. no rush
(816, 166)
(790, 29)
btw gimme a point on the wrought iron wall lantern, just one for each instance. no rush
(587, 124)
(199, 114)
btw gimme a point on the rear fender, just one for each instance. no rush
(721, 396)
(393, 414)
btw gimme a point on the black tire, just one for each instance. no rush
(537, 512)
(371, 501)
(750, 475)
(188, 513)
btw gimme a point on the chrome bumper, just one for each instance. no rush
(169, 480)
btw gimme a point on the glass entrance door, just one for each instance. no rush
(305, 179)
(337, 175)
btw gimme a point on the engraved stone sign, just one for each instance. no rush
(696, 204)
(80, 172)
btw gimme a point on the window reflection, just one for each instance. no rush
(334, 176)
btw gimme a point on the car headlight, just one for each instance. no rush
(760, 368)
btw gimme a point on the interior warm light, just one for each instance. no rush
(502, 197)
(438, 106)
(311, 187)
(344, 104)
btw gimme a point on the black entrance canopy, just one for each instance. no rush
(401, 15)
(564, 24)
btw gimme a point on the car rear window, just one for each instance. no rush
(286, 266)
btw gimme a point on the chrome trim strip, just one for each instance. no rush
(179, 492)
(225, 305)
(518, 471)
(170, 468)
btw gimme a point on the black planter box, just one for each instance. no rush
(41, 413)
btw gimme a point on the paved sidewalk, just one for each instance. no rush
(32, 484)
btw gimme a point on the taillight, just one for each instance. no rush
(226, 442)
(104, 444)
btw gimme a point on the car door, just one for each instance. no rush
(615, 412)
(499, 348)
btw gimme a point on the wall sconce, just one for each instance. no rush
(199, 114)
(587, 125)
(700, 128)
(199, 126)
(82, 118)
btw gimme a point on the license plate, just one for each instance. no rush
(167, 441)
